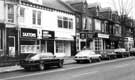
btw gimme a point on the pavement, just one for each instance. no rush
(67, 60)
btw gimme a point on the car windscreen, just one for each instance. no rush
(85, 52)
(30, 55)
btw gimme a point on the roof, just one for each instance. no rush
(105, 9)
(94, 5)
(57, 4)
(75, 1)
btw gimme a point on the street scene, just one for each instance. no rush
(67, 40)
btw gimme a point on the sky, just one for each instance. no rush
(109, 3)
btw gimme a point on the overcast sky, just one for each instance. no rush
(109, 3)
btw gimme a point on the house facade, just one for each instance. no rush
(35, 26)
(99, 29)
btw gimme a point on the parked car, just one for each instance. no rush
(41, 61)
(108, 54)
(121, 52)
(132, 51)
(87, 55)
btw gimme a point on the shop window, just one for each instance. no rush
(43, 46)
(29, 47)
(10, 13)
(60, 47)
(98, 44)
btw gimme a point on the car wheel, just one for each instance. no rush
(41, 67)
(90, 60)
(77, 61)
(60, 64)
(99, 59)
(27, 68)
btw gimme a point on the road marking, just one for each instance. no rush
(39, 73)
(88, 73)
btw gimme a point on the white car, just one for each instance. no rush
(87, 55)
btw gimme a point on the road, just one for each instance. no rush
(117, 70)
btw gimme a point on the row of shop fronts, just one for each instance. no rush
(99, 41)
(29, 42)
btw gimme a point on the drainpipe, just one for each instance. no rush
(18, 28)
(5, 49)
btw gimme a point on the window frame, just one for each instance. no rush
(60, 47)
(39, 17)
(10, 13)
(34, 16)
(65, 22)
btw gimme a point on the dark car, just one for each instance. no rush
(132, 51)
(121, 52)
(41, 61)
(108, 54)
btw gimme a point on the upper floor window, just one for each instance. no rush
(10, 13)
(22, 14)
(36, 17)
(97, 25)
(65, 22)
(70, 23)
(39, 18)
(89, 23)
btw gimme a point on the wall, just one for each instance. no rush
(1, 11)
(48, 22)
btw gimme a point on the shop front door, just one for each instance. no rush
(11, 48)
(50, 46)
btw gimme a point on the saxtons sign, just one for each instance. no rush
(28, 33)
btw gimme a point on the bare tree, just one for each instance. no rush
(124, 7)
(125, 10)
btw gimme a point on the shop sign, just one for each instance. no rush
(83, 35)
(48, 34)
(28, 33)
(103, 36)
(89, 35)
(114, 38)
